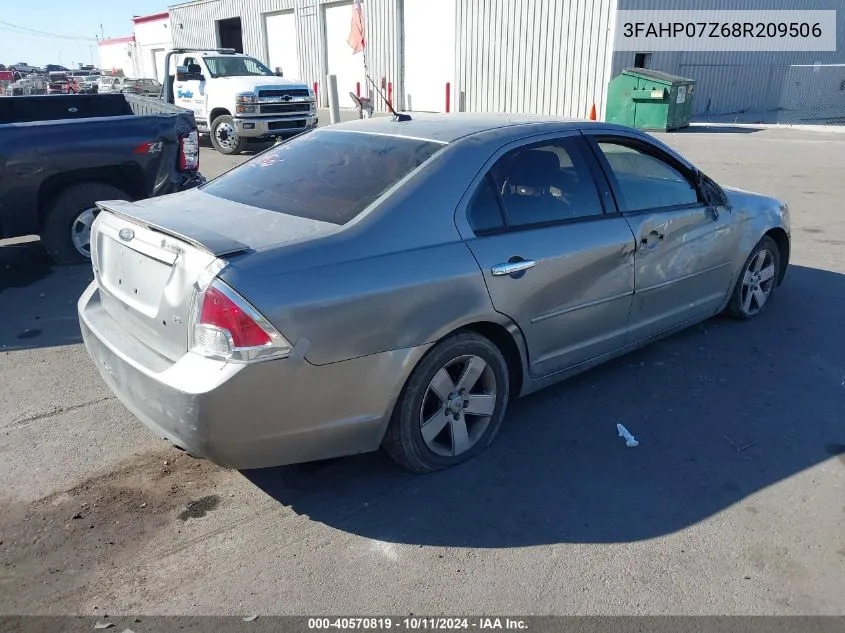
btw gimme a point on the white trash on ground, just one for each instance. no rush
(626, 434)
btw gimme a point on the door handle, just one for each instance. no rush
(512, 267)
(651, 237)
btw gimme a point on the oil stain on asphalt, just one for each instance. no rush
(199, 508)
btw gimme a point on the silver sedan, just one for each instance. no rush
(397, 283)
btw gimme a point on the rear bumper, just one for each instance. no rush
(247, 416)
(259, 127)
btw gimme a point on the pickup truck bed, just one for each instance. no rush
(59, 155)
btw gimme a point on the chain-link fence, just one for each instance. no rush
(799, 94)
(813, 94)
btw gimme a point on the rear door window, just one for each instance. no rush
(541, 183)
(329, 176)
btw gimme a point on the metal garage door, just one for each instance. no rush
(429, 53)
(349, 68)
(158, 62)
(282, 51)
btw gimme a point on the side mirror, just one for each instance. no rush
(279, 72)
(181, 73)
(712, 193)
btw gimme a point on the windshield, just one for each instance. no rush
(90, 79)
(236, 67)
(58, 78)
(323, 175)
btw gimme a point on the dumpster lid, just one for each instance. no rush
(656, 75)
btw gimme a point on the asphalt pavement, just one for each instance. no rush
(733, 502)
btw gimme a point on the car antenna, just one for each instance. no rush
(396, 115)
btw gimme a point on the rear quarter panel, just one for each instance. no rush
(386, 302)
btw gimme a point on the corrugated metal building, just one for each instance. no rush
(539, 56)
(754, 82)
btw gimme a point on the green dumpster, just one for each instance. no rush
(650, 100)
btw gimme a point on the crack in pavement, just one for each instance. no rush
(58, 410)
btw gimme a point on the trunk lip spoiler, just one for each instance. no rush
(203, 239)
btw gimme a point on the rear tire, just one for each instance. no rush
(461, 424)
(757, 281)
(64, 230)
(224, 137)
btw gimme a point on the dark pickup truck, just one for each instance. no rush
(59, 155)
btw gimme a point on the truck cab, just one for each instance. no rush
(236, 99)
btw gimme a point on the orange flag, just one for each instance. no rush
(356, 32)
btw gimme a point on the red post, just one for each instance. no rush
(448, 95)
(390, 94)
(358, 89)
(316, 94)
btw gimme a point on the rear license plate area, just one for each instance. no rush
(132, 277)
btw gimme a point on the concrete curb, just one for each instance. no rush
(835, 129)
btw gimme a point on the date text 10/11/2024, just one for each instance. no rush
(417, 623)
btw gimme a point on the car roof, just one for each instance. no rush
(446, 128)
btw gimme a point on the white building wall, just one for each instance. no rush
(118, 54)
(153, 41)
(534, 56)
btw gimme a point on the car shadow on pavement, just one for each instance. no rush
(721, 411)
(37, 298)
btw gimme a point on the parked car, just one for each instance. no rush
(237, 100)
(62, 84)
(144, 87)
(108, 84)
(89, 84)
(60, 155)
(398, 283)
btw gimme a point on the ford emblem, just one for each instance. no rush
(126, 234)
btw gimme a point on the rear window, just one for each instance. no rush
(324, 175)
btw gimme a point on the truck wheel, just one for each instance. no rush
(224, 137)
(66, 233)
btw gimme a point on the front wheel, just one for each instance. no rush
(757, 282)
(452, 405)
(225, 138)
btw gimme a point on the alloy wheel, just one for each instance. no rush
(458, 405)
(758, 281)
(80, 231)
(226, 135)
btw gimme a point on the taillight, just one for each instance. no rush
(189, 152)
(228, 327)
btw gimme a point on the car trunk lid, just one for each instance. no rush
(152, 259)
